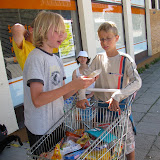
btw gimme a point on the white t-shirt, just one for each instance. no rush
(47, 69)
(109, 77)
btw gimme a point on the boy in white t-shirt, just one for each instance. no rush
(43, 78)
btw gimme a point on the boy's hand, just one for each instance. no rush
(113, 105)
(82, 104)
(83, 82)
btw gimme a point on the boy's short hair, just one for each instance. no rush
(108, 26)
(42, 23)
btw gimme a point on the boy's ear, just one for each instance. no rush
(117, 38)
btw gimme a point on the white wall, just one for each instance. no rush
(87, 27)
(128, 28)
(7, 114)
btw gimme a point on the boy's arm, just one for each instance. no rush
(18, 33)
(72, 92)
(134, 84)
(74, 75)
(40, 98)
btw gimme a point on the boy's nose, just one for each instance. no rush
(61, 34)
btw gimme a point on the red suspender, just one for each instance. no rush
(120, 72)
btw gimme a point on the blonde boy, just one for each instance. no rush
(43, 78)
(111, 77)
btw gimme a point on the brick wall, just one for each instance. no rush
(155, 30)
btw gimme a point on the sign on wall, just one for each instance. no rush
(66, 49)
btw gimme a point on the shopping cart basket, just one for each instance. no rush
(107, 131)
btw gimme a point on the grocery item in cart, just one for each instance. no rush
(96, 132)
(70, 146)
(83, 140)
(104, 154)
(74, 155)
(57, 153)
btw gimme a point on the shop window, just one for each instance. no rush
(108, 12)
(25, 15)
(153, 4)
(139, 30)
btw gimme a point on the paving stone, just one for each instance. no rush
(136, 107)
(137, 116)
(157, 102)
(148, 128)
(155, 109)
(144, 142)
(140, 154)
(154, 153)
(151, 118)
(153, 90)
(147, 99)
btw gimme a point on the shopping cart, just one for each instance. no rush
(107, 131)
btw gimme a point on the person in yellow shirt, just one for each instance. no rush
(22, 42)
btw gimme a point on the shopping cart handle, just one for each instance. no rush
(101, 90)
(103, 104)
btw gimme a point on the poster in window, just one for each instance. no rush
(67, 49)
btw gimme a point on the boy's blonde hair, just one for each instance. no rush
(108, 27)
(42, 23)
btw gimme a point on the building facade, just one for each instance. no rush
(82, 19)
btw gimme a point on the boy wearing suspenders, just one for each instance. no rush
(118, 72)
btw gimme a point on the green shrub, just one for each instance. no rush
(141, 70)
(147, 66)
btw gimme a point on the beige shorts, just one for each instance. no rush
(130, 142)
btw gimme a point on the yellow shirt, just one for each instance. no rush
(22, 54)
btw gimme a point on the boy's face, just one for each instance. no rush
(54, 39)
(108, 40)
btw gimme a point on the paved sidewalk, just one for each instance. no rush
(146, 113)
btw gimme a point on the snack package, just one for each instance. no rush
(47, 155)
(95, 73)
(72, 136)
(79, 132)
(69, 146)
(95, 155)
(96, 132)
(57, 154)
(81, 93)
(83, 140)
(74, 155)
